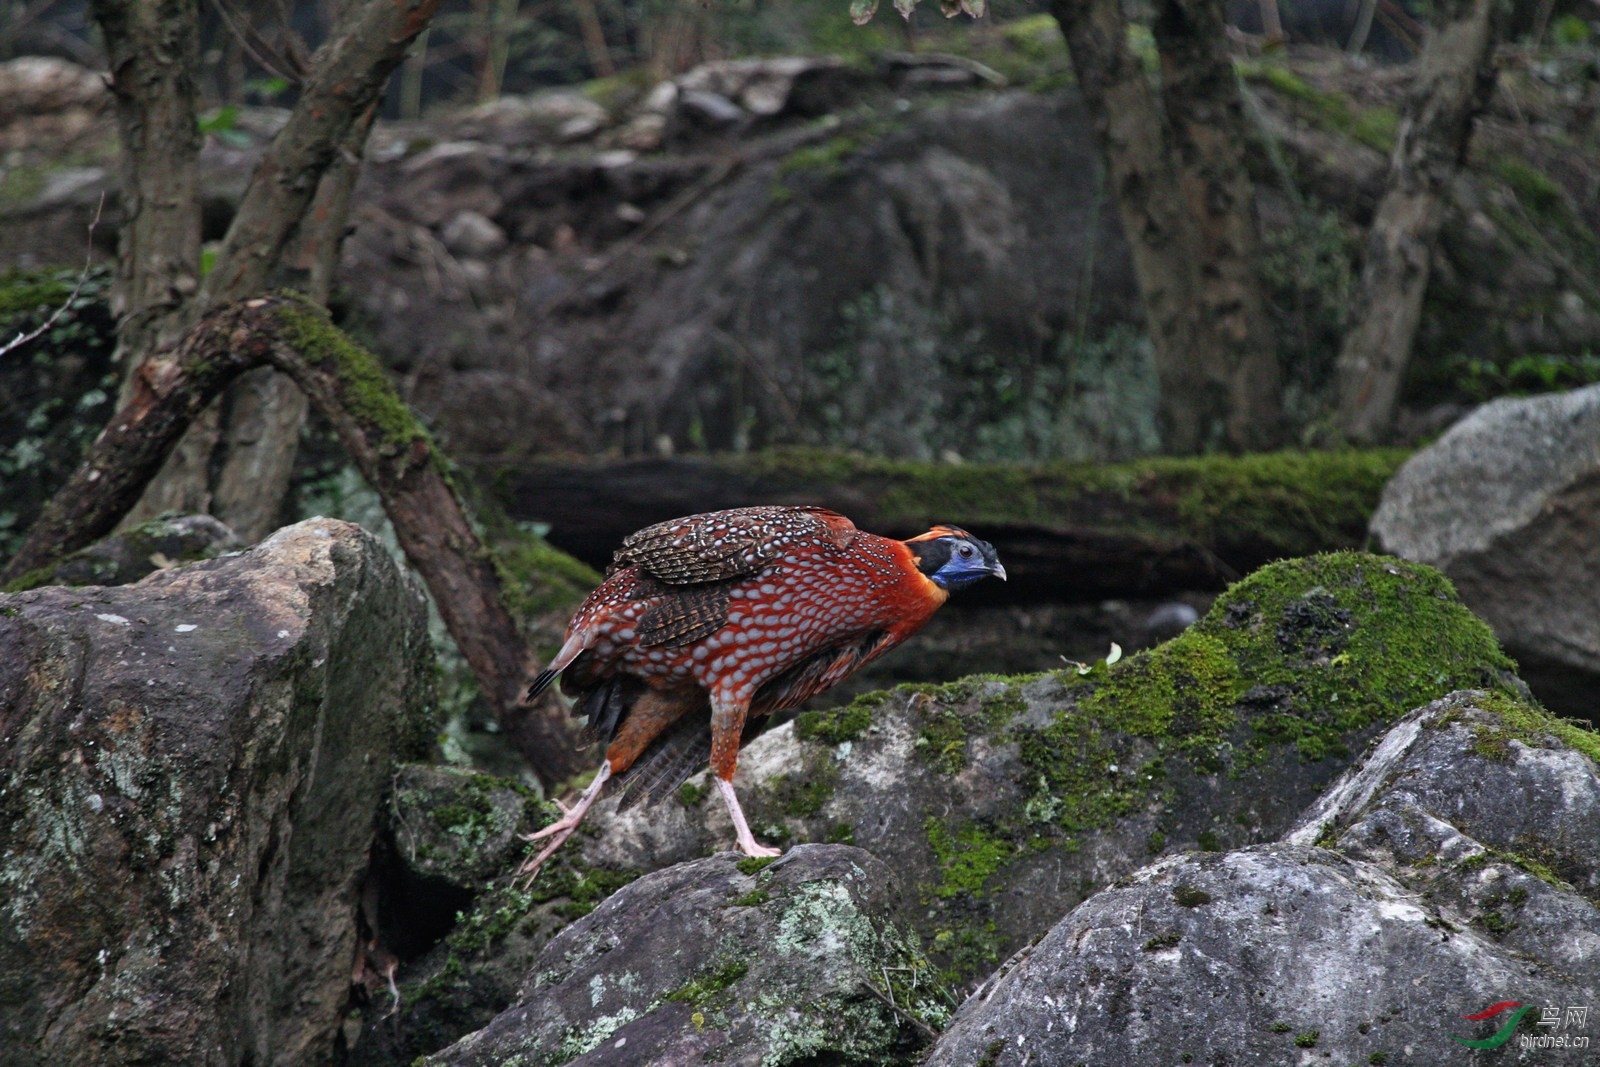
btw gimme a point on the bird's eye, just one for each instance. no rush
(965, 551)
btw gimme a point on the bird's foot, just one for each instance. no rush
(741, 828)
(559, 834)
(562, 828)
(568, 823)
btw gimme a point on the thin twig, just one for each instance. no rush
(284, 64)
(55, 316)
(927, 1030)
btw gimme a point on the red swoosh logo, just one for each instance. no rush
(1494, 1009)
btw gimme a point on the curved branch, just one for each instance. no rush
(392, 451)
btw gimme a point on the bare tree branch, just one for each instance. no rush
(284, 64)
(387, 445)
(55, 316)
(348, 76)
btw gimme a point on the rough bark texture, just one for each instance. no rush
(1175, 169)
(1067, 533)
(190, 776)
(1455, 78)
(154, 50)
(391, 450)
(1210, 142)
(1458, 873)
(325, 133)
(1132, 135)
(259, 439)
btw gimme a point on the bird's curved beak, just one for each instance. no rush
(998, 571)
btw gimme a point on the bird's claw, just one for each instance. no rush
(559, 831)
(761, 851)
(566, 822)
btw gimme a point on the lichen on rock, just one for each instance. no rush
(683, 966)
(189, 782)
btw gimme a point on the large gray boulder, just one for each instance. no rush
(1453, 869)
(1507, 503)
(190, 773)
(729, 961)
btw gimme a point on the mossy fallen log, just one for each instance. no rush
(1065, 531)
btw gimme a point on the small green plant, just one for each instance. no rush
(1535, 372)
(1570, 30)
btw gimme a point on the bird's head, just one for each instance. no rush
(951, 558)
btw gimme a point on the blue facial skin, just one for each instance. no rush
(970, 560)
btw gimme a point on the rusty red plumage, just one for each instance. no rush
(711, 621)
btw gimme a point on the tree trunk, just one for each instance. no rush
(1454, 80)
(265, 410)
(153, 49)
(1177, 176)
(386, 444)
(1210, 139)
(293, 214)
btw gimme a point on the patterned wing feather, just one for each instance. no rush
(719, 545)
(684, 615)
(671, 760)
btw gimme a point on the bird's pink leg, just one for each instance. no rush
(747, 840)
(562, 828)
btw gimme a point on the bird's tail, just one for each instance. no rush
(541, 683)
(568, 653)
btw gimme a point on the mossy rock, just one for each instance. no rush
(1004, 802)
(803, 961)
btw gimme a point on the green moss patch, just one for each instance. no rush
(1532, 725)
(838, 725)
(1307, 655)
(365, 389)
(1305, 652)
(967, 857)
(1373, 127)
(704, 989)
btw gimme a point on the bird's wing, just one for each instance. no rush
(820, 671)
(721, 545)
(682, 615)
